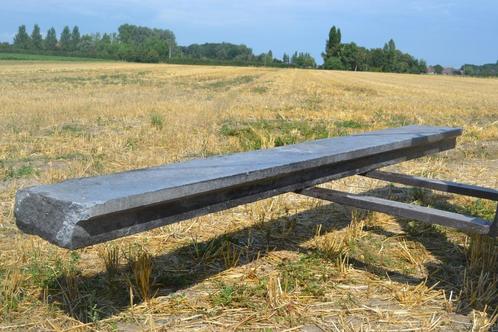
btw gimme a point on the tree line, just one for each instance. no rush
(142, 44)
(349, 56)
(131, 43)
(486, 70)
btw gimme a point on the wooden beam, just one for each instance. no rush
(440, 185)
(409, 211)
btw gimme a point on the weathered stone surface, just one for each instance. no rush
(85, 211)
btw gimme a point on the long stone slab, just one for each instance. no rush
(86, 211)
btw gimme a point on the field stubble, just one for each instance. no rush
(286, 262)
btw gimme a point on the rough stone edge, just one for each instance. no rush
(60, 218)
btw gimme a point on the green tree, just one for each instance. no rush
(65, 40)
(377, 59)
(22, 39)
(269, 58)
(333, 44)
(51, 40)
(354, 57)
(104, 44)
(88, 46)
(422, 66)
(350, 57)
(75, 38)
(303, 60)
(334, 63)
(36, 38)
(390, 54)
(286, 59)
(306, 60)
(293, 59)
(139, 42)
(438, 69)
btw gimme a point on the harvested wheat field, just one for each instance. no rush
(287, 263)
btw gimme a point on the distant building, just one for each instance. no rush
(452, 71)
(440, 70)
(448, 71)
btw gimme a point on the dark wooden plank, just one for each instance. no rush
(440, 185)
(427, 215)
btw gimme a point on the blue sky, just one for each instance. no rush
(450, 32)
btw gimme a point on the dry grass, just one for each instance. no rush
(110, 255)
(289, 262)
(11, 290)
(140, 263)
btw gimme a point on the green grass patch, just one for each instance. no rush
(157, 120)
(61, 279)
(479, 208)
(349, 124)
(118, 79)
(39, 57)
(359, 90)
(259, 134)
(260, 89)
(21, 172)
(369, 250)
(393, 119)
(239, 295)
(308, 274)
(72, 128)
(229, 83)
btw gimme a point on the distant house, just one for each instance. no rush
(451, 71)
(448, 71)
(430, 70)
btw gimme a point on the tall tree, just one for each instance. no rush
(377, 59)
(65, 40)
(36, 38)
(293, 59)
(51, 40)
(390, 54)
(75, 38)
(268, 58)
(286, 59)
(331, 56)
(104, 43)
(303, 60)
(22, 39)
(333, 44)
